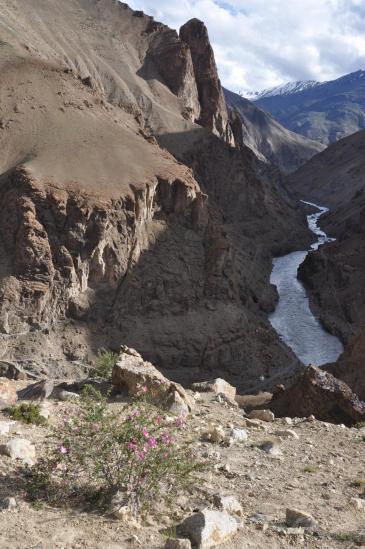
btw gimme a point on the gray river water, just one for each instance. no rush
(292, 318)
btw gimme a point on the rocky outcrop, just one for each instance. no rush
(320, 394)
(136, 376)
(350, 367)
(214, 115)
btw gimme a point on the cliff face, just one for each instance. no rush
(116, 225)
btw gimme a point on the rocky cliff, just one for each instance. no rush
(116, 225)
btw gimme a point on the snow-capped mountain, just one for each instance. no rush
(283, 89)
(322, 111)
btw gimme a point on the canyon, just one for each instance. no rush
(117, 227)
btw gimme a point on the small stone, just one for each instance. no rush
(271, 447)
(311, 418)
(178, 543)
(264, 415)
(228, 503)
(254, 423)
(287, 421)
(178, 405)
(215, 433)
(19, 448)
(288, 433)
(297, 518)
(218, 386)
(208, 528)
(6, 427)
(68, 396)
(358, 504)
(8, 394)
(8, 504)
(224, 399)
(238, 435)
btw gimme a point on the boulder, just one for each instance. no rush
(297, 518)
(208, 528)
(228, 503)
(263, 415)
(135, 375)
(218, 386)
(320, 394)
(37, 391)
(19, 448)
(8, 504)
(8, 394)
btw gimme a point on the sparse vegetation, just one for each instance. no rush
(311, 469)
(104, 364)
(27, 413)
(96, 454)
(359, 483)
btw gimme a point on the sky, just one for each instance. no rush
(259, 44)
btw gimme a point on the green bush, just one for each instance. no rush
(27, 413)
(98, 453)
(104, 364)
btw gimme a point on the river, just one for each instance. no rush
(292, 318)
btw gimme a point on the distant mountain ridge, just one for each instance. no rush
(282, 89)
(264, 135)
(324, 112)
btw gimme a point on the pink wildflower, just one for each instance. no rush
(141, 455)
(152, 442)
(145, 432)
(180, 422)
(63, 450)
(132, 446)
(145, 389)
(136, 413)
(166, 438)
(158, 420)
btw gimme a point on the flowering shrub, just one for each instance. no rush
(141, 455)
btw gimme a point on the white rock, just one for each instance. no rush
(287, 421)
(271, 447)
(19, 448)
(8, 504)
(45, 409)
(208, 528)
(228, 503)
(238, 435)
(178, 405)
(67, 396)
(287, 433)
(264, 415)
(6, 427)
(358, 504)
(297, 518)
(178, 543)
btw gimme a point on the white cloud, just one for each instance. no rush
(262, 43)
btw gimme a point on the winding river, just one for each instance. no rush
(292, 318)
